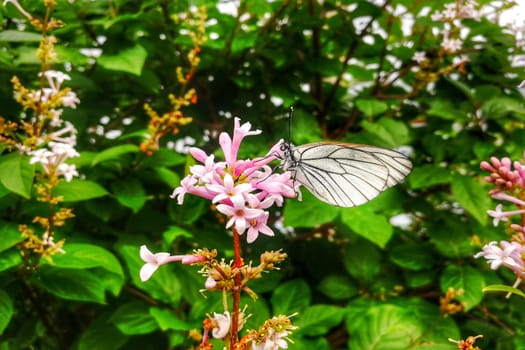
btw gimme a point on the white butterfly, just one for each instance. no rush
(344, 174)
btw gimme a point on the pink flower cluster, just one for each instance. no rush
(508, 177)
(507, 254)
(502, 173)
(451, 16)
(242, 189)
(458, 10)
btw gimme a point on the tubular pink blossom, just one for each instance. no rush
(506, 197)
(498, 214)
(198, 154)
(154, 261)
(243, 188)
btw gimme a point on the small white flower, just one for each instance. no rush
(419, 56)
(60, 148)
(451, 45)
(274, 341)
(41, 156)
(68, 170)
(153, 261)
(223, 325)
(437, 16)
(55, 119)
(70, 100)
(55, 78)
(210, 283)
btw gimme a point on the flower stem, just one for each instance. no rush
(236, 291)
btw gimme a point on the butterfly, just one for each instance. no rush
(344, 174)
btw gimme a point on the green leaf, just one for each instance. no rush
(452, 239)
(10, 235)
(362, 260)
(79, 190)
(86, 256)
(391, 132)
(500, 107)
(319, 319)
(71, 284)
(436, 328)
(383, 327)
(9, 259)
(360, 73)
(371, 108)
(164, 285)
(16, 174)
(365, 222)
(163, 158)
(168, 176)
(462, 87)
(309, 212)
(337, 287)
(292, 296)
(305, 128)
(113, 153)
(472, 196)
(468, 279)
(134, 318)
(6, 310)
(504, 288)
(130, 60)
(130, 193)
(317, 343)
(102, 334)
(112, 282)
(428, 175)
(19, 36)
(445, 110)
(174, 232)
(412, 256)
(167, 319)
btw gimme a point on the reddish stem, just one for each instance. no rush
(236, 291)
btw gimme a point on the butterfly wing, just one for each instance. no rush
(346, 174)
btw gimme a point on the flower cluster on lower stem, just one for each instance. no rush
(221, 276)
(242, 189)
(508, 178)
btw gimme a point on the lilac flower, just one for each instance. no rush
(41, 155)
(419, 56)
(451, 45)
(68, 171)
(55, 78)
(506, 197)
(153, 261)
(242, 188)
(508, 254)
(500, 215)
(457, 10)
(258, 225)
(53, 161)
(274, 341)
(210, 283)
(223, 322)
(228, 189)
(70, 100)
(239, 214)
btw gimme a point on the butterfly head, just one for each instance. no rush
(288, 160)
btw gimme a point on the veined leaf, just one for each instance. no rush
(16, 174)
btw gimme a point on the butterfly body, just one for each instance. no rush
(344, 174)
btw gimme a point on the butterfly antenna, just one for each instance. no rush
(290, 114)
